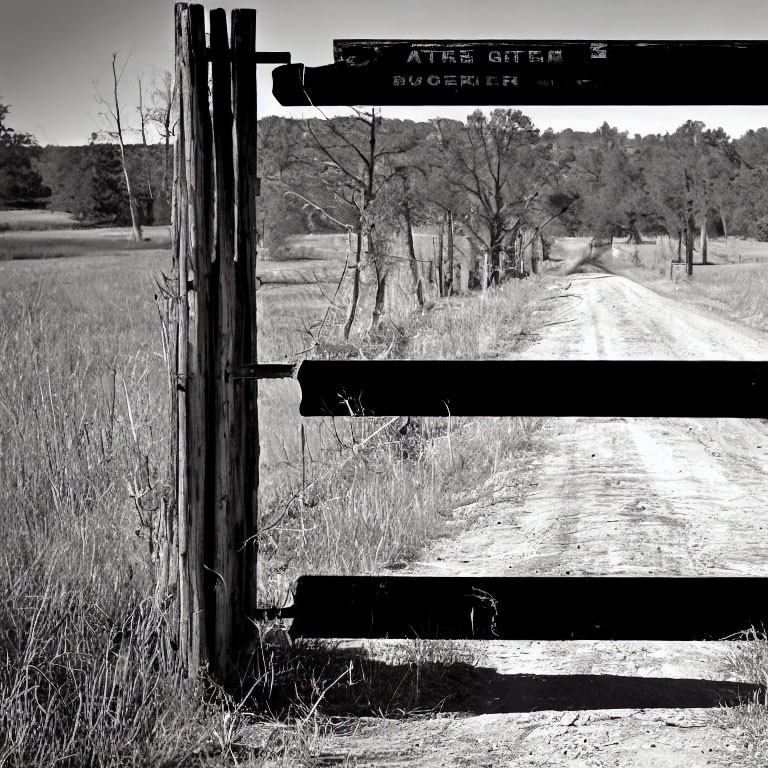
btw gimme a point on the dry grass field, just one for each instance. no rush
(87, 676)
(22, 220)
(734, 283)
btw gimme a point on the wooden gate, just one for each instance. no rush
(209, 549)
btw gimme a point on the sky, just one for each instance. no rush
(52, 51)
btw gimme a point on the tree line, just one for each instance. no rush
(492, 177)
(496, 173)
(502, 183)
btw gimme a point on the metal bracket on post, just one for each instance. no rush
(264, 371)
(273, 57)
(264, 57)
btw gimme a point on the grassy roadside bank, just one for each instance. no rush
(88, 676)
(734, 285)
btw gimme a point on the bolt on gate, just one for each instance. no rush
(208, 562)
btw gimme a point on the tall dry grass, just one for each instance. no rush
(734, 283)
(87, 674)
(25, 219)
(360, 495)
(738, 291)
(746, 659)
(478, 326)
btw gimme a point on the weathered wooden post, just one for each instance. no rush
(451, 277)
(191, 261)
(431, 265)
(246, 478)
(537, 252)
(234, 555)
(226, 505)
(689, 248)
(440, 280)
(215, 448)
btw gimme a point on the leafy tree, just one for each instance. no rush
(722, 167)
(746, 192)
(605, 183)
(690, 176)
(107, 195)
(88, 181)
(21, 185)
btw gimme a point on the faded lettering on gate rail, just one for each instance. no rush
(529, 72)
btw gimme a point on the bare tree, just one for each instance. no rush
(115, 131)
(338, 168)
(500, 165)
(143, 120)
(350, 173)
(160, 114)
(361, 160)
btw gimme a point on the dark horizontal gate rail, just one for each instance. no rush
(529, 608)
(532, 388)
(485, 72)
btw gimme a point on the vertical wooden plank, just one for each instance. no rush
(228, 526)
(689, 234)
(537, 252)
(166, 593)
(243, 47)
(440, 281)
(451, 277)
(180, 260)
(195, 342)
(431, 265)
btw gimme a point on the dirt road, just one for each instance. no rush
(616, 497)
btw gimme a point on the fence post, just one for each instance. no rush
(451, 277)
(228, 501)
(689, 248)
(192, 260)
(440, 280)
(215, 449)
(246, 336)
